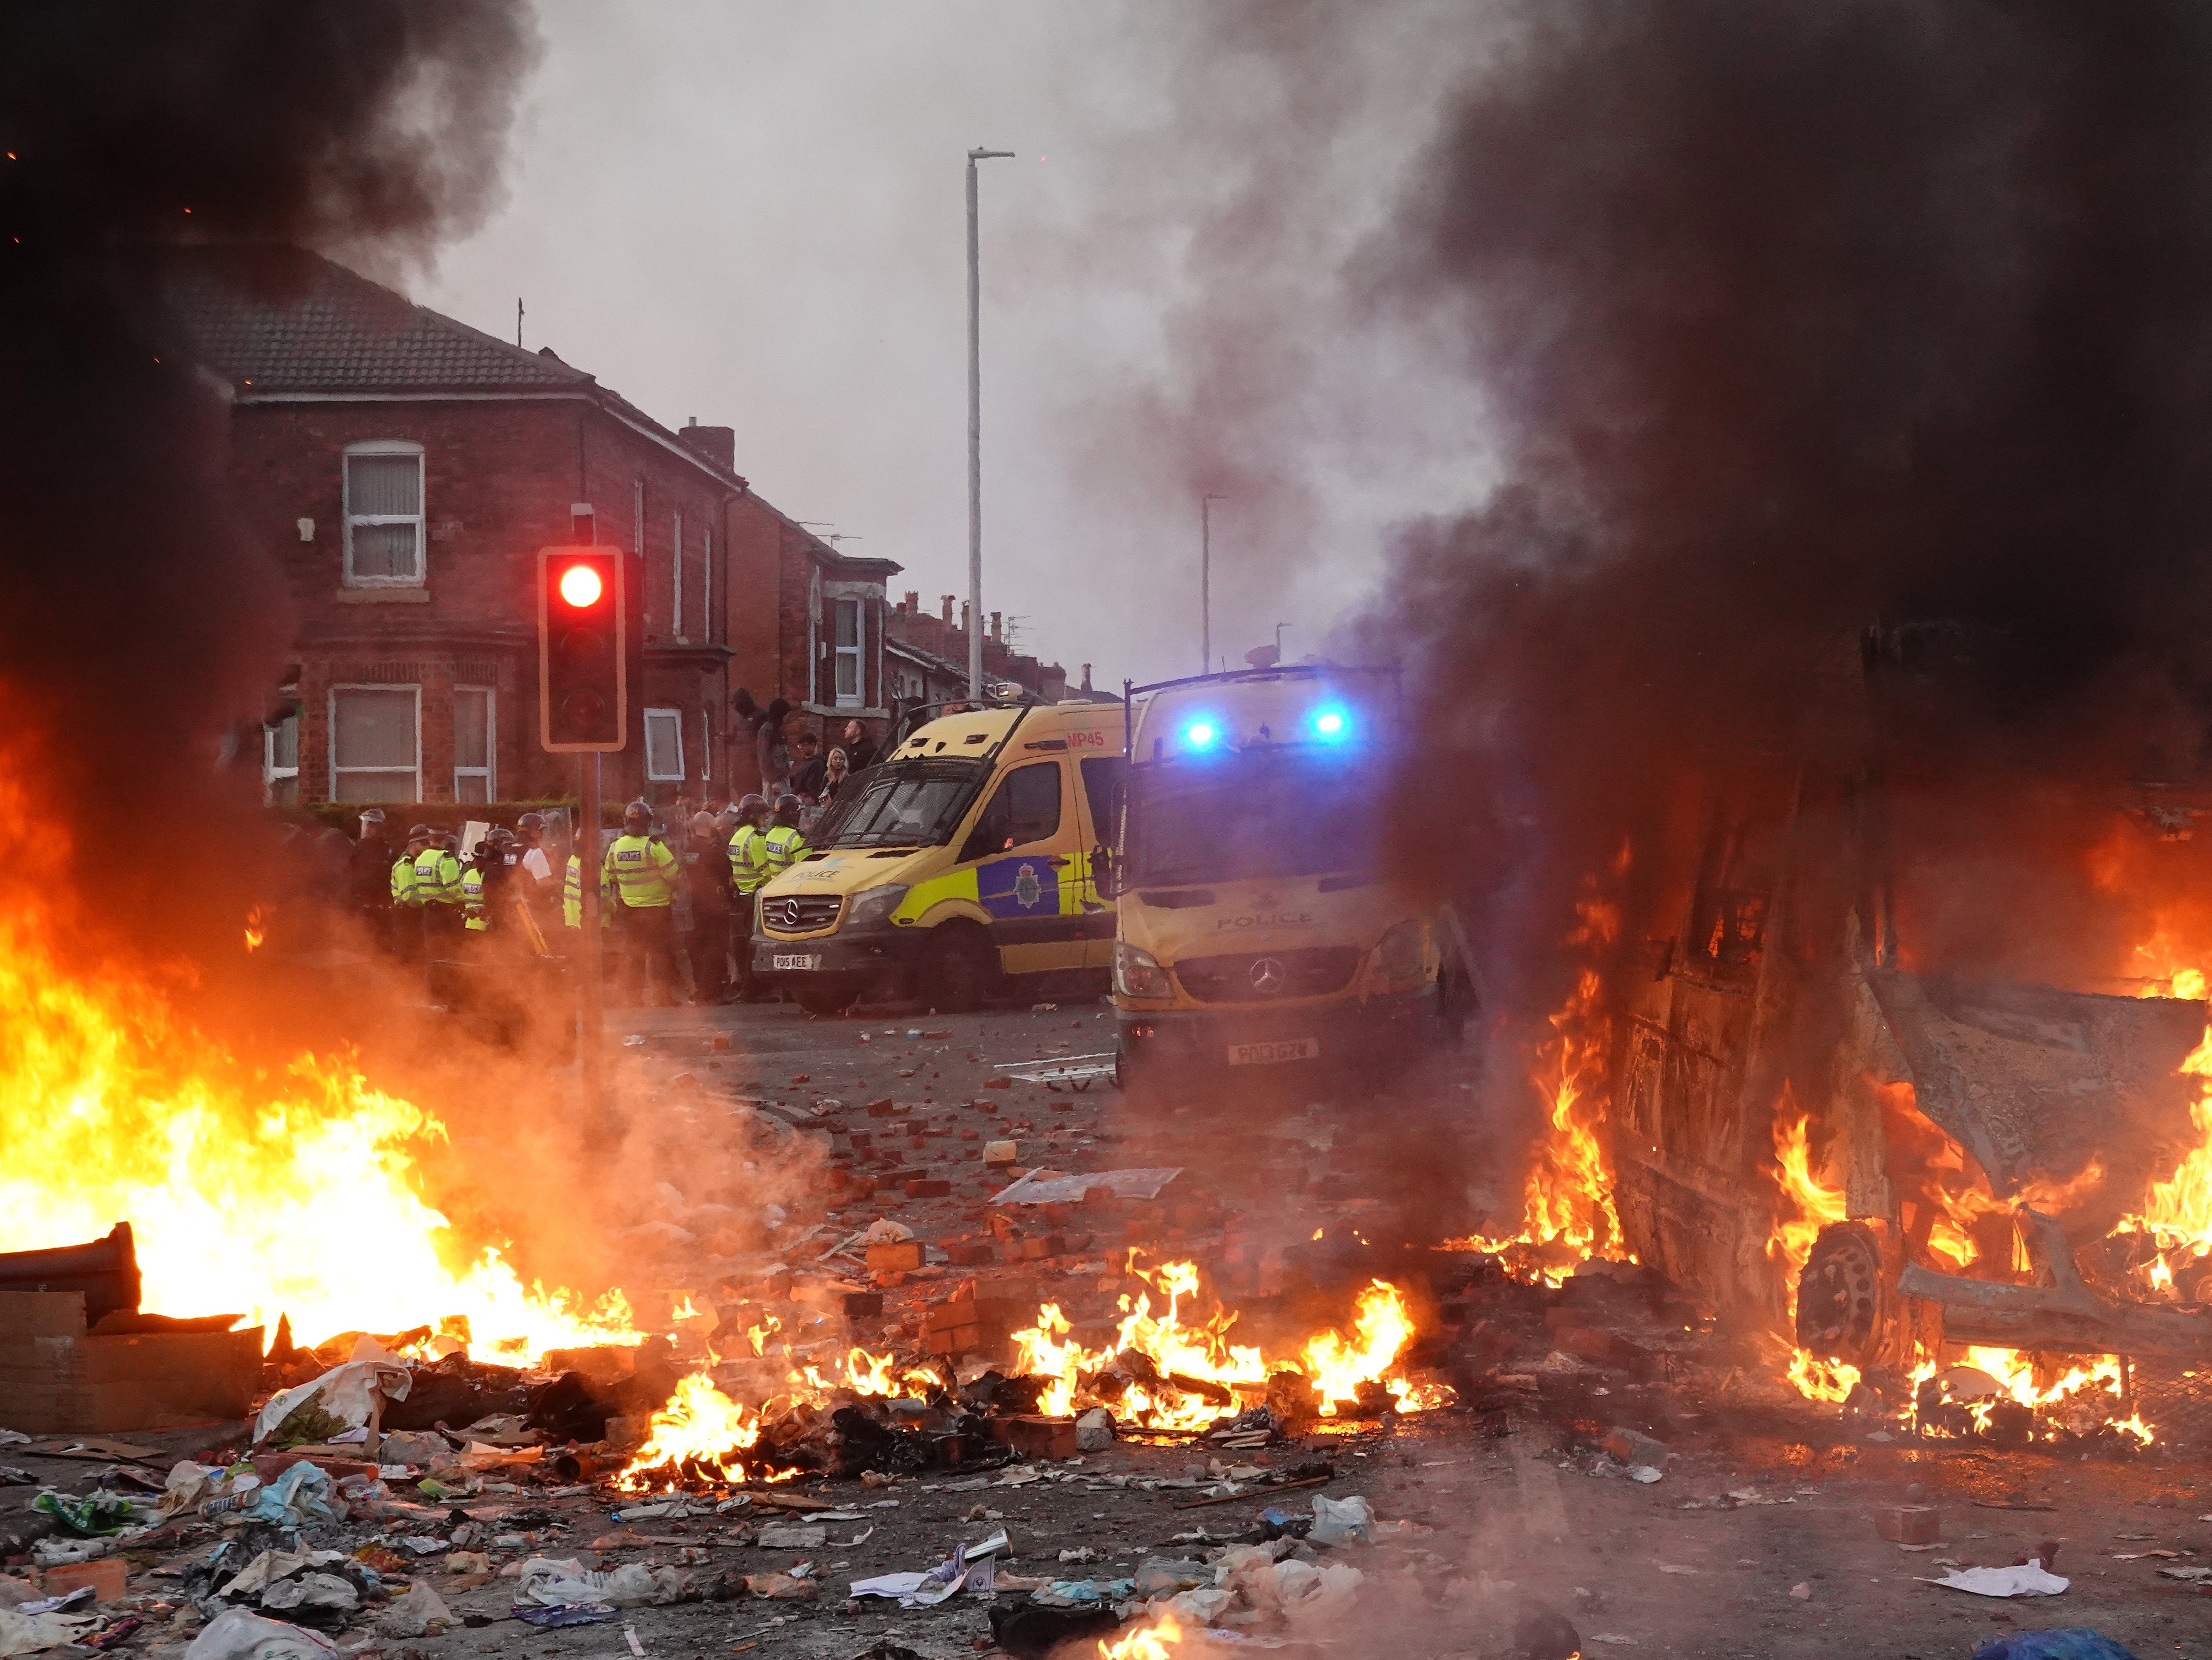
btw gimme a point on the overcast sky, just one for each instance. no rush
(752, 214)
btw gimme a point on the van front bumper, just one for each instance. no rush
(866, 956)
(1344, 1034)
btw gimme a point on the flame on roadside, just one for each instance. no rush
(255, 931)
(293, 1195)
(1567, 1209)
(1332, 1366)
(699, 1425)
(2077, 1398)
(1155, 1641)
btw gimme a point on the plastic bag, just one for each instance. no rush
(234, 1634)
(302, 1496)
(344, 1398)
(1341, 1521)
(95, 1515)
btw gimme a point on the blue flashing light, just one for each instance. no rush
(1199, 734)
(1330, 725)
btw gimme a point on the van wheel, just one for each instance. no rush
(958, 969)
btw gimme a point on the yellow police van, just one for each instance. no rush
(1258, 933)
(956, 868)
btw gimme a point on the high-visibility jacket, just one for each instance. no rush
(748, 871)
(783, 845)
(643, 872)
(402, 883)
(437, 878)
(472, 900)
(572, 897)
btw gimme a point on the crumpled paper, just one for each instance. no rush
(234, 1634)
(28, 1633)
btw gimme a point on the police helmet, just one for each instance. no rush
(420, 833)
(502, 837)
(754, 802)
(374, 816)
(636, 817)
(530, 821)
(482, 850)
(787, 803)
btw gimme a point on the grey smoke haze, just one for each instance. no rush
(753, 214)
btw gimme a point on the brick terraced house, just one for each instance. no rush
(404, 469)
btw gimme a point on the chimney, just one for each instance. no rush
(1087, 676)
(948, 610)
(912, 605)
(718, 445)
(997, 633)
(966, 623)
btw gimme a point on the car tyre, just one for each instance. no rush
(958, 970)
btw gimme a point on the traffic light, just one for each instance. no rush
(583, 682)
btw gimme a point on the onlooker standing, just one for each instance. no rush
(806, 767)
(834, 774)
(771, 751)
(859, 748)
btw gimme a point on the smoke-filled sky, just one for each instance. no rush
(752, 214)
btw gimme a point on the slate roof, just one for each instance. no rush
(284, 319)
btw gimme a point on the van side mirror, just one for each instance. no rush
(1103, 876)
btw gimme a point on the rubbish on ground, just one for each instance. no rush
(791, 1538)
(95, 1515)
(421, 1613)
(344, 1398)
(783, 1587)
(1635, 1449)
(2067, 1643)
(234, 1634)
(1341, 1521)
(300, 1496)
(2022, 1579)
(1043, 1187)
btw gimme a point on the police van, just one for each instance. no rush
(958, 867)
(1259, 933)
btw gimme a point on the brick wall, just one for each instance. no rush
(499, 480)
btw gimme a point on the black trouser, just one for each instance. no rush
(741, 943)
(646, 931)
(710, 953)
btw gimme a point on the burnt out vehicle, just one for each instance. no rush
(1901, 1053)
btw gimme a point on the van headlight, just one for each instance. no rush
(1137, 973)
(875, 906)
(1400, 953)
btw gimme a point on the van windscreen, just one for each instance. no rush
(903, 804)
(1248, 818)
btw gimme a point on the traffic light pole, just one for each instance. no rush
(591, 1007)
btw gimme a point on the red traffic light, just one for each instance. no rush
(581, 586)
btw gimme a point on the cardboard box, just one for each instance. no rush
(57, 1379)
(1037, 1437)
(1910, 1524)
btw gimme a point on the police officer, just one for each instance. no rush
(438, 892)
(406, 903)
(481, 883)
(783, 843)
(368, 878)
(747, 874)
(643, 874)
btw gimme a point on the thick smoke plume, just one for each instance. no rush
(1793, 321)
(138, 639)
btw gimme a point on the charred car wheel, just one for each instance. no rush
(1842, 1296)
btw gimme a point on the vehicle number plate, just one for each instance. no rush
(804, 963)
(1259, 1054)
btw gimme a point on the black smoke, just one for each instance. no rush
(1795, 321)
(140, 643)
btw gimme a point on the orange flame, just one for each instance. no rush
(699, 1423)
(1157, 1641)
(255, 932)
(292, 1195)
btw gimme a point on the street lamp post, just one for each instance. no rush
(1205, 580)
(976, 437)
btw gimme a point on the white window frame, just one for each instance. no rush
(858, 698)
(420, 519)
(706, 587)
(271, 772)
(706, 746)
(675, 720)
(490, 771)
(332, 709)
